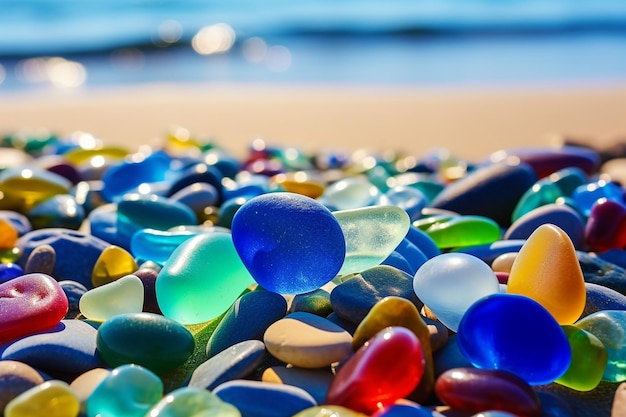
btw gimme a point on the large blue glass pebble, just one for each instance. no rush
(514, 333)
(290, 243)
(136, 170)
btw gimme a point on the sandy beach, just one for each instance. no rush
(469, 121)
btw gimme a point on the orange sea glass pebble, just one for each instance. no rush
(547, 270)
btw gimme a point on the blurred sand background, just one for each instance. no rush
(470, 121)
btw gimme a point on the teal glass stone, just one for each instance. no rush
(191, 401)
(610, 327)
(201, 279)
(129, 391)
(541, 193)
(568, 179)
(156, 245)
(146, 339)
(138, 211)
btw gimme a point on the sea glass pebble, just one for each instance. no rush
(460, 231)
(41, 259)
(589, 359)
(84, 384)
(157, 245)
(307, 341)
(609, 327)
(132, 172)
(51, 399)
(606, 225)
(501, 184)
(190, 401)
(138, 211)
(112, 264)
(353, 298)
(514, 333)
(15, 378)
(8, 234)
(247, 319)
(398, 311)
(565, 217)
(547, 270)
(350, 193)
(262, 399)
(545, 160)
(150, 340)
(201, 279)
(129, 390)
(124, 295)
(329, 411)
(451, 282)
(23, 188)
(76, 252)
(474, 390)
(236, 362)
(313, 381)
(65, 350)
(29, 304)
(385, 369)
(371, 234)
(60, 210)
(290, 243)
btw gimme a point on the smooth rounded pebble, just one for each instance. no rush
(308, 341)
(15, 378)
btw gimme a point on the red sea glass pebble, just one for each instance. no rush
(386, 368)
(474, 390)
(606, 226)
(29, 304)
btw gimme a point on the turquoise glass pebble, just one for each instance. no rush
(514, 333)
(129, 391)
(201, 279)
(541, 193)
(451, 282)
(371, 234)
(610, 327)
(147, 339)
(195, 402)
(157, 245)
(290, 243)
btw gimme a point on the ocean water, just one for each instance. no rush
(80, 43)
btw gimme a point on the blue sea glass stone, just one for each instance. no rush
(129, 174)
(517, 334)
(586, 195)
(9, 271)
(290, 243)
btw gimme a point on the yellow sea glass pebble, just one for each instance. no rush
(8, 235)
(113, 263)
(547, 270)
(51, 399)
